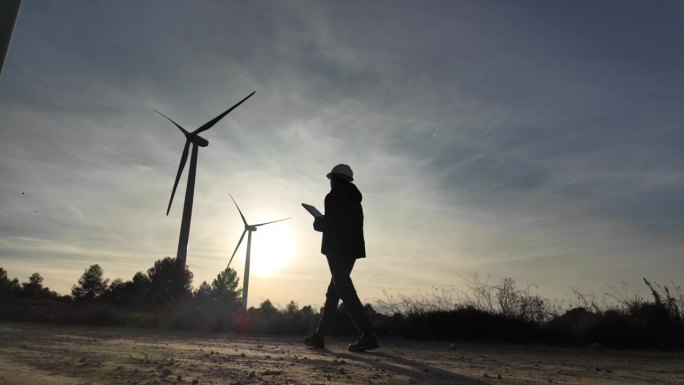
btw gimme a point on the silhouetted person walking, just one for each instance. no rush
(343, 243)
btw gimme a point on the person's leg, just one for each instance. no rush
(340, 268)
(331, 301)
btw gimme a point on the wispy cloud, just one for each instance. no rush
(533, 141)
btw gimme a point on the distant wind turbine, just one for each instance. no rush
(248, 229)
(196, 140)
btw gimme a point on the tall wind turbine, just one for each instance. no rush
(248, 229)
(196, 140)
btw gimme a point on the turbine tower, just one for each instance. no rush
(196, 140)
(248, 229)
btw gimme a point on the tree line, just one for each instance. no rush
(159, 297)
(160, 285)
(163, 298)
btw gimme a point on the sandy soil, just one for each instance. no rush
(53, 354)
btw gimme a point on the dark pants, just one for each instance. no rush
(342, 287)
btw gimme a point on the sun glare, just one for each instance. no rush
(272, 249)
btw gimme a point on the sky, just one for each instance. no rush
(537, 140)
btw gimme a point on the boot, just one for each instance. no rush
(314, 340)
(367, 341)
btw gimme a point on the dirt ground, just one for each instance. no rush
(55, 354)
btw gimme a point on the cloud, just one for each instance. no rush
(534, 141)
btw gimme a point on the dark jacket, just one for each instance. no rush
(342, 225)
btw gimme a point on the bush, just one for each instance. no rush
(504, 312)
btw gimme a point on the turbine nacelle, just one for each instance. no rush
(192, 137)
(196, 139)
(251, 228)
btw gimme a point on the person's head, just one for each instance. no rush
(341, 172)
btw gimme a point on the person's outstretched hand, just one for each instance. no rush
(319, 223)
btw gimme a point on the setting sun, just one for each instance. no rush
(272, 249)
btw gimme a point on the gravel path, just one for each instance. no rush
(55, 354)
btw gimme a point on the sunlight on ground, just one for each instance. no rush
(273, 247)
(66, 355)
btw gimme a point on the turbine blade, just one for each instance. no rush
(184, 158)
(237, 247)
(183, 130)
(240, 211)
(279, 220)
(211, 123)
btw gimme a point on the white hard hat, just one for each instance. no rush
(342, 170)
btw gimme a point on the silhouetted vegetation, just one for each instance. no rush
(91, 285)
(505, 312)
(485, 312)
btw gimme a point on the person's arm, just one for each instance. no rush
(319, 224)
